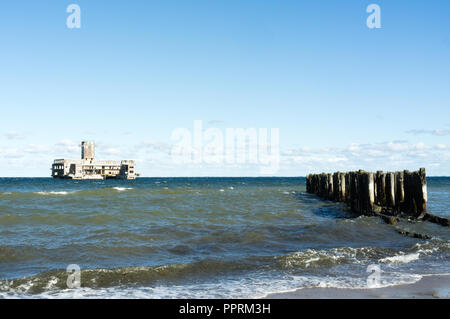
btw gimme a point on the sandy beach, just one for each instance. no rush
(431, 286)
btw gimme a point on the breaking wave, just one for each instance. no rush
(400, 259)
(121, 189)
(53, 193)
(262, 276)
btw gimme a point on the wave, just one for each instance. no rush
(20, 195)
(54, 193)
(96, 284)
(120, 277)
(312, 258)
(99, 192)
(294, 265)
(400, 259)
(56, 218)
(121, 189)
(255, 288)
(249, 277)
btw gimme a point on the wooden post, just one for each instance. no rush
(381, 186)
(371, 190)
(330, 189)
(323, 185)
(347, 188)
(341, 187)
(404, 192)
(311, 183)
(316, 184)
(375, 185)
(415, 186)
(390, 190)
(354, 192)
(336, 186)
(367, 193)
(399, 190)
(424, 191)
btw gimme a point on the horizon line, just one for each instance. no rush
(195, 177)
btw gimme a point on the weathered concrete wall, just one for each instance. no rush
(90, 168)
(399, 193)
(87, 150)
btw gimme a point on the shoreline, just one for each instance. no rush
(429, 287)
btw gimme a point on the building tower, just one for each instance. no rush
(88, 151)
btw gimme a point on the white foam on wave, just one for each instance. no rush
(232, 288)
(121, 189)
(400, 259)
(312, 257)
(427, 248)
(51, 284)
(54, 193)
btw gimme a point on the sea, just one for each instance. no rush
(202, 238)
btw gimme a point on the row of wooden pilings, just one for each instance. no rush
(392, 193)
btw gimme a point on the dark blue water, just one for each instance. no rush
(201, 237)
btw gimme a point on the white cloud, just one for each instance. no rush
(393, 155)
(37, 149)
(215, 123)
(111, 151)
(337, 159)
(10, 153)
(67, 146)
(154, 146)
(14, 135)
(397, 146)
(354, 147)
(436, 132)
(377, 153)
(154, 158)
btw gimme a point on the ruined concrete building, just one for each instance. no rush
(90, 168)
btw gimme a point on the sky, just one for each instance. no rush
(343, 96)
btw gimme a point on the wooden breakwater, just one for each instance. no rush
(388, 195)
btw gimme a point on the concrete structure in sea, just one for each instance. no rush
(90, 168)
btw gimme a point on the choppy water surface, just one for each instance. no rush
(201, 238)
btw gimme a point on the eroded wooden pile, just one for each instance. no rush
(389, 195)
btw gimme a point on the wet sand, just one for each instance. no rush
(429, 287)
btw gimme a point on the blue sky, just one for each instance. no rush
(343, 96)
